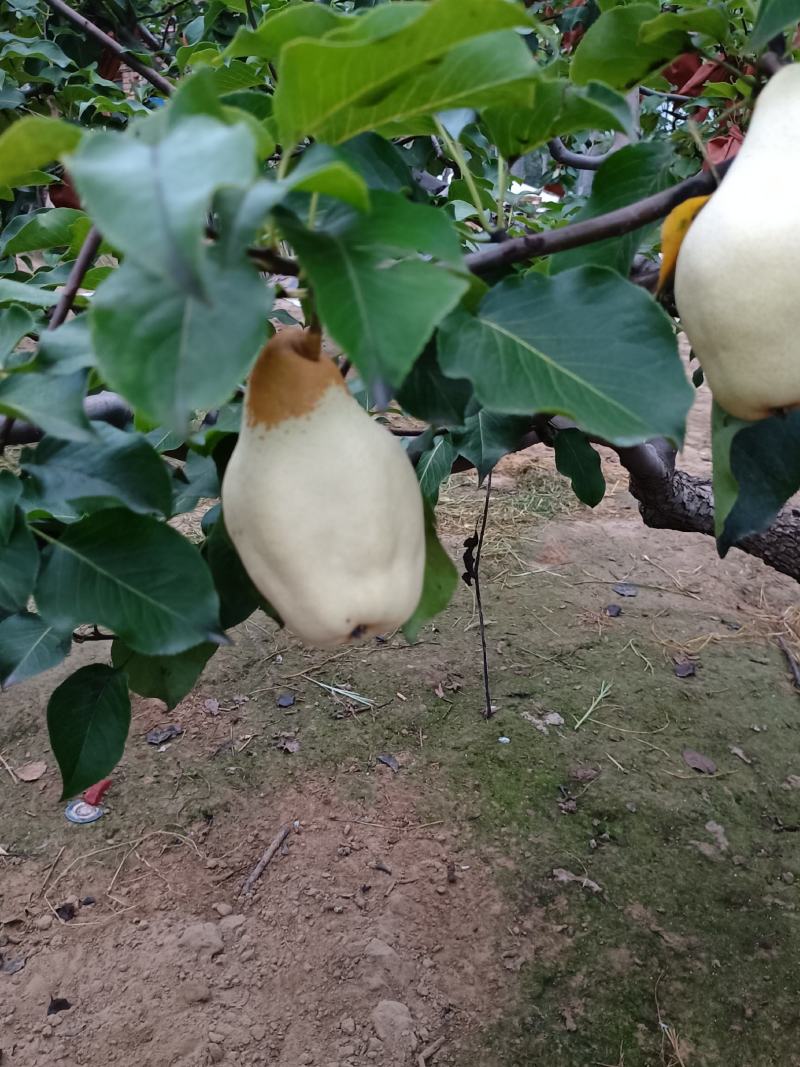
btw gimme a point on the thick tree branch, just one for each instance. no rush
(613, 224)
(88, 27)
(561, 154)
(100, 407)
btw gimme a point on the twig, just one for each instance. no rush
(14, 778)
(561, 154)
(76, 275)
(50, 870)
(258, 870)
(616, 763)
(605, 689)
(488, 711)
(88, 27)
(613, 224)
(794, 667)
(431, 1050)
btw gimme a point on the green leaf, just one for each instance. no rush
(441, 579)
(380, 312)
(631, 174)
(151, 200)
(19, 563)
(774, 16)
(88, 718)
(765, 464)
(578, 461)
(10, 492)
(325, 170)
(238, 597)
(112, 469)
(280, 27)
(28, 646)
(51, 228)
(587, 344)
(428, 395)
(434, 465)
(724, 428)
(68, 348)
(134, 575)
(25, 293)
(170, 354)
(32, 142)
(32, 48)
(15, 322)
(358, 84)
(611, 50)
(380, 163)
(198, 481)
(488, 437)
(710, 21)
(53, 402)
(167, 678)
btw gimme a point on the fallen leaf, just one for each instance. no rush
(684, 668)
(66, 912)
(58, 1004)
(158, 735)
(31, 772)
(583, 774)
(287, 743)
(718, 833)
(561, 874)
(792, 781)
(389, 761)
(11, 966)
(698, 762)
(738, 752)
(211, 705)
(626, 589)
(613, 611)
(285, 700)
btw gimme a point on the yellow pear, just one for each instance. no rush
(321, 501)
(737, 282)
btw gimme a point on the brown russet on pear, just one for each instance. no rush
(321, 501)
(737, 281)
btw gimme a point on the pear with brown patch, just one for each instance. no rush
(321, 501)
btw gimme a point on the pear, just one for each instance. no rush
(737, 280)
(321, 501)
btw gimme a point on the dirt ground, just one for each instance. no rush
(604, 873)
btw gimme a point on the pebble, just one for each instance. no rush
(788, 877)
(43, 922)
(222, 909)
(195, 991)
(348, 1026)
(306, 1057)
(215, 1053)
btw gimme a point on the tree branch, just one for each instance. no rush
(100, 407)
(613, 224)
(108, 42)
(76, 275)
(561, 154)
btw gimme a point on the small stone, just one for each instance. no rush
(440, 889)
(215, 1053)
(202, 938)
(215, 1037)
(394, 1026)
(195, 991)
(788, 877)
(347, 1050)
(43, 922)
(306, 1057)
(229, 923)
(348, 1026)
(222, 909)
